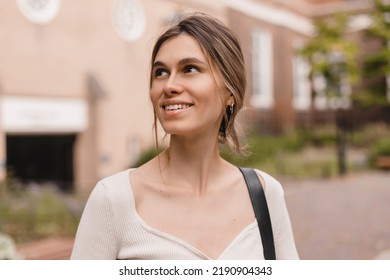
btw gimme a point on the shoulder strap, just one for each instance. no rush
(260, 208)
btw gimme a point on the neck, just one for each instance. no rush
(192, 164)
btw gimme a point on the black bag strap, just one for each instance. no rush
(260, 208)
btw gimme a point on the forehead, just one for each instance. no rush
(179, 47)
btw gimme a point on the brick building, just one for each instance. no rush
(74, 103)
(74, 97)
(271, 32)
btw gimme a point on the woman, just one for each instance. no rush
(187, 203)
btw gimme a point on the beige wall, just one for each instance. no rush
(54, 59)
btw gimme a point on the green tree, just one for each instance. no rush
(333, 57)
(378, 64)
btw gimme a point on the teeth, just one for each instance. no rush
(176, 107)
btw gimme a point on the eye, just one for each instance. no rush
(160, 72)
(191, 69)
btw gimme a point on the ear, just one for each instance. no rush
(230, 100)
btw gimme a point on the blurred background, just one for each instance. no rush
(74, 107)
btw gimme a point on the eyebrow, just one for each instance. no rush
(184, 61)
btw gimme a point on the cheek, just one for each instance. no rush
(215, 98)
(153, 97)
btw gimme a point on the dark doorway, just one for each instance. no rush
(41, 158)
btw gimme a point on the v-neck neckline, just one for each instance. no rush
(176, 239)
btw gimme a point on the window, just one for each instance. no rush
(262, 70)
(301, 84)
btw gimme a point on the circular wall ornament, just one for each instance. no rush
(129, 19)
(39, 11)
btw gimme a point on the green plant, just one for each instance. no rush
(379, 149)
(262, 148)
(33, 213)
(378, 63)
(369, 134)
(303, 153)
(311, 162)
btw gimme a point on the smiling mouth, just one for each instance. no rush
(176, 107)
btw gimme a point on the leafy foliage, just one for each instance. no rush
(265, 147)
(379, 149)
(378, 64)
(332, 55)
(33, 213)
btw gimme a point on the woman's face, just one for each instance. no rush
(184, 91)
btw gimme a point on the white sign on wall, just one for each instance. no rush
(43, 115)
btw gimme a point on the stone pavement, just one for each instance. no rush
(54, 248)
(334, 219)
(345, 218)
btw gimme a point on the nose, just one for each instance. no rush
(173, 85)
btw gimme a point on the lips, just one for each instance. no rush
(175, 106)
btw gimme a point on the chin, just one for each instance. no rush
(178, 131)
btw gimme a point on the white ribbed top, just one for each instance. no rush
(110, 228)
